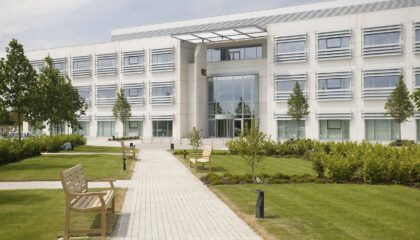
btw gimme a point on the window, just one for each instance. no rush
(162, 91)
(162, 58)
(85, 64)
(133, 60)
(334, 83)
(381, 81)
(382, 130)
(83, 130)
(106, 128)
(288, 86)
(418, 35)
(382, 38)
(287, 47)
(60, 66)
(334, 130)
(236, 53)
(57, 129)
(133, 92)
(105, 93)
(85, 94)
(337, 42)
(162, 128)
(291, 129)
(418, 80)
(133, 129)
(37, 67)
(106, 63)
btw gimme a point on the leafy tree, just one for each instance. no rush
(416, 98)
(56, 101)
(297, 106)
(250, 146)
(17, 80)
(122, 109)
(195, 139)
(399, 105)
(6, 120)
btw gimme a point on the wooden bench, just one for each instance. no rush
(203, 159)
(79, 199)
(129, 152)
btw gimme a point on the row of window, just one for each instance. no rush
(106, 64)
(160, 93)
(376, 84)
(234, 53)
(339, 130)
(376, 41)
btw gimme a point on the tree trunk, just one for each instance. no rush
(399, 131)
(19, 128)
(297, 129)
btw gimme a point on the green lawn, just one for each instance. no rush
(39, 214)
(97, 149)
(234, 164)
(48, 167)
(330, 211)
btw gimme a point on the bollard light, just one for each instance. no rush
(124, 165)
(259, 211)
(131, 145)
(185, 154)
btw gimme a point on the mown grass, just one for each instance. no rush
(329, 211)
(96, 149)
(234, 164)
(48, 167)
(39, 214)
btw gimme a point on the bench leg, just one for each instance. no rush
(113, 204)
(103, 222)
(67, 224)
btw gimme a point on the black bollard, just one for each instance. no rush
(172, 146)
(259, 211)
(131, 144)
(124, 165)
(185, 154)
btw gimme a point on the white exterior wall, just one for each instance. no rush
(356, 64)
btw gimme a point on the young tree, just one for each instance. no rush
(416, 98)
(195, 139)
(250, 146)
(297, 106)
(17, 78)
(55, 100)
(121, 109)
(399, 105)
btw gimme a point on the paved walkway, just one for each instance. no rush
(55, 185)
(166, 201)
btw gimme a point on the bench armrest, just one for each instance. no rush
(99, 194)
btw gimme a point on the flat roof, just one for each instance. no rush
(326, 8)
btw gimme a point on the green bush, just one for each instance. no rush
(13, 150)
(189, 151)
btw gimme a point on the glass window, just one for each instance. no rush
(133, 60)
(382, 130)
(37, 67)
(334, 83)
(381, 82)
(60, 66)
(334, 130)
(133, 129)
(133, 92)
(417, 80)
(291, 129)
(288, 86)
(81, 64)
(288, 47)
(382, 38)
(104, 63)
(57, 129)
(418, 35)
(162, 58)
(162, 91)
(83, 130)
(106, 93)
(235, 53)
(162, 128)
(339, 42)
(85, 94)
(106, 128)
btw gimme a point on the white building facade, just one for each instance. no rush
(219, 73)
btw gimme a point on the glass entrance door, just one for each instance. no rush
(237, 127)
(224, 128)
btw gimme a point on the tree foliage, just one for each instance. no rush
(250, 146)
(416, 98)
(195, 139)
(17, 82)
(297, 105)
(121, 109)
(56, 101)
(399, 105)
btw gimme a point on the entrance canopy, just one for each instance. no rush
(222, 35)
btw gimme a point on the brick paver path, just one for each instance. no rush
(166, 201)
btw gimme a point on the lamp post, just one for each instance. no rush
(259, 211)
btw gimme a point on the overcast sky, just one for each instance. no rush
(54, 23)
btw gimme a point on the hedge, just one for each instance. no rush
(13, 150)
(229, 179)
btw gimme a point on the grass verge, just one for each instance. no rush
(96, 149)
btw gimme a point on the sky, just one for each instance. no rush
(39, 24)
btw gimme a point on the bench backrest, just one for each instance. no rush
(74, 181)
(207, 152)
